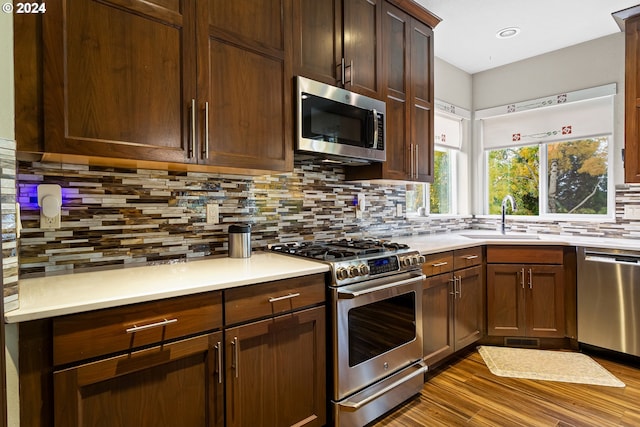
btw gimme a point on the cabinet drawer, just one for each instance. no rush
(515, 254)
(468, 257)
(438, 263)
(86, 335)
(267, 299)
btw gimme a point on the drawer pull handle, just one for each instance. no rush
(162, 323)
(272, 300)
(470, 257)
(439, 264)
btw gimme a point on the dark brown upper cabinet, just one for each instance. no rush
(338, 42)
(407, 75)
(629, 21)
(206, 84)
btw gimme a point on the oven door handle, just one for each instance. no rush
(347, 294)
(421, 369)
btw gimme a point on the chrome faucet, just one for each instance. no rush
(509, 198)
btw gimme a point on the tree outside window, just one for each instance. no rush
(514, 171)
(440, 190)
(574, 177)
(577, 181)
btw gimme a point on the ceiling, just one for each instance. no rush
(466, 37)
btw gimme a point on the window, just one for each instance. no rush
(441, 189)
(439, 197)
(514, 171)
(551, 155)
(572, 179)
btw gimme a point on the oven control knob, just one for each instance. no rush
(353, 271)
(341, 273)
(406, 262)
(363, 269)
(421, 259)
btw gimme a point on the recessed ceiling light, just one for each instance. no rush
(508, 32)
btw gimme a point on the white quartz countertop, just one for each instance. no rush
(433, 243)
(73, 293)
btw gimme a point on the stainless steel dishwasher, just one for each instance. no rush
(609, 299)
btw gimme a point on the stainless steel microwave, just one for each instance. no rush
(338, 124)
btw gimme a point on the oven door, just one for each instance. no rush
(377, 330)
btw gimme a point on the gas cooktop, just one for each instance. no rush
(356, 260)
(339, 250)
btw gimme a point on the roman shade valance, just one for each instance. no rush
(576, 115)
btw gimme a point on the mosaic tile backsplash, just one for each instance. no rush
(114, 217)
(131, 217)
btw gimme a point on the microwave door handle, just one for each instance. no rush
(371, 126)
(374, 143)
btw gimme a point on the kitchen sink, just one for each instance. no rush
(508, 236)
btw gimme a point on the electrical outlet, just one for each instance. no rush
(49, 222)
(213, 213)
(631, 212)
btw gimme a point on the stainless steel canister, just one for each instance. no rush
(240, 241)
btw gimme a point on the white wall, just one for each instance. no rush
(454, 86)
(589, 64)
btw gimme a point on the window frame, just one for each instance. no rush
(543, 185)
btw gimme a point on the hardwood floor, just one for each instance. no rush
(465, 393)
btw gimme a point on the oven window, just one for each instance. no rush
(381, 326)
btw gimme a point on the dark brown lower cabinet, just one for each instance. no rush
(176, 384)
(525, 300)
(275, 371)
(453, 312)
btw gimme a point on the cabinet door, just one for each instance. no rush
(632, 101)
(437, 318)
(245, 84)
(171, 385)
(362, 29)
(421, 100)
(469, 307)
(505, 300)
(544, 288)
(317, 40)
(119, 77)
(396, 31)
(276, 371)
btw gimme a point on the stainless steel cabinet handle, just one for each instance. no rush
(193, 128)
(439, 264)
(341, 72)
(218, 348)
(470, 257)
(160, 324)
(460, 287)
(351, 73)
(455, 290)
(417, 163)
(205, 149)
(410, 160)
(530, 279)
(293, 295)
(522, 278)
(235, 362)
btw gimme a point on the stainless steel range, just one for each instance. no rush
(376, 321)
